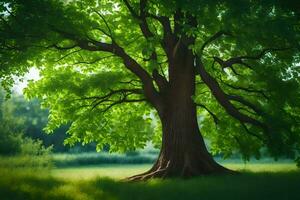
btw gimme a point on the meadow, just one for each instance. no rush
(258, 180)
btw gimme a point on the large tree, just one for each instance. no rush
(111, 67)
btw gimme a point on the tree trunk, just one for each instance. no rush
(183, 152)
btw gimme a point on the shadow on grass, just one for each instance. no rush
(244, 186)
(27, 185)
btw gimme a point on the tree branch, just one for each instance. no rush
(223, 99)
(131, 10)
(215, 118)
(106, 24)
(212, 38)
(124, 93)
(121, 101)
(68, 54)
(246, 103)
(164, 21)
(241, 59)
(56, 46)
(149, 90)
(249, 90)
(141, 17)
(160, 80)
(251, 133)
(263, 52)
(94, 61)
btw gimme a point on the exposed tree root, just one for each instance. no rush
(169, 171)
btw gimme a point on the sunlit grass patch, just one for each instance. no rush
(263, 167)
(120, 171)
(246, 186)
(281, 182)
(89, 172)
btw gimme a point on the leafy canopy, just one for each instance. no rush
(85, 51)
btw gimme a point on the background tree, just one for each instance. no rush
(20, 118)
(231, 67)
(10, 141)
(14, 143)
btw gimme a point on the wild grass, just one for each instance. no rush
(119, 171)
(258, 180)
(112, 171)
(34, 185)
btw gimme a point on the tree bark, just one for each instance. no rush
(183, 152)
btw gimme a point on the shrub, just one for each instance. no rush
(25, 152)
(10, 143)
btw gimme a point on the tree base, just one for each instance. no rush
(157, 171)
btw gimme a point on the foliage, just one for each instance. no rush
(94, 60)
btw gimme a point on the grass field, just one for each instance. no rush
(258, 181)
(126, 170)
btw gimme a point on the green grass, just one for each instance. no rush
(107, 171)
(258, 181)
(125, 170)
(93, 158)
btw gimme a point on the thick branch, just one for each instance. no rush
(149, 89)
(178, 15)
(228, 63)
(131, 10)
(165, 22)
(223, 99)
(144, 25)
(160, 80)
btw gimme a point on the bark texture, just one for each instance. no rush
(183, 152)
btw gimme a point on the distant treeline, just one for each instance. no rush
(19, 116)
(82, 159)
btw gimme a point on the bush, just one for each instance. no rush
(20, 151)
(10, 143)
